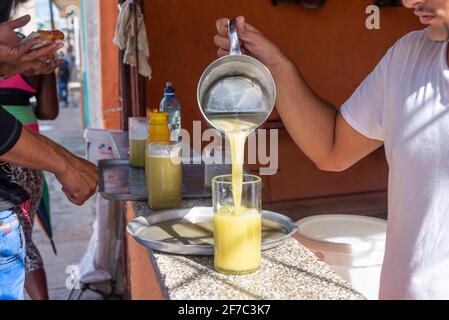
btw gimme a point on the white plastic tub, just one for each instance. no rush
(98, 145)
(353, 246)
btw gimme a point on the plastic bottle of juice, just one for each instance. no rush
(163, 165)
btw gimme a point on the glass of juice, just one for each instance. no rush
(237, 228)
(138, 132)
(164, 175)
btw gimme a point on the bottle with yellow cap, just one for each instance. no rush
(163, 167)
(159, 131)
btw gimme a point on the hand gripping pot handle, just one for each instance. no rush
(236, 85)
(234, 38)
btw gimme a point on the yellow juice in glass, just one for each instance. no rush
(137, 153)
(164, 179)
(238, 241)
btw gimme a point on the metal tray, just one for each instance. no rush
(189, 231)
(119, 181)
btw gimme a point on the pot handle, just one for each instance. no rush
(234, 38)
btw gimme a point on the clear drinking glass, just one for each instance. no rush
(237, 233)
(138, 132)
(164, 175)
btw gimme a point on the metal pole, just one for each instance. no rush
(52, 17)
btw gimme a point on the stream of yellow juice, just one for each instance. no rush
(137, 153)
(237, 131)
(238, 240)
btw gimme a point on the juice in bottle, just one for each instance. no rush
(165, 176)
(163, 165)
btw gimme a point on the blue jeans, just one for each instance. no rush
(12, 257)
(64, 91)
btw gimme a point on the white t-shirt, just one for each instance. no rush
(405, 103)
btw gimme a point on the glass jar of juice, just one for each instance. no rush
(237, 228)
(164, 179)
(138, 128)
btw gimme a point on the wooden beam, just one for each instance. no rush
(132, 88)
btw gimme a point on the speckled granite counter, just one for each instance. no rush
(288, 272)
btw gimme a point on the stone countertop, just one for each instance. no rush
(289, 272)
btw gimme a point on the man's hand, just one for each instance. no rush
(19, 57)
(23, 52)
(30, 68)
(252, 42)
(37, 67)
(79, 179)
(8, 34)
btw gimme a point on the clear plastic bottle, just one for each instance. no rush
(172, 106)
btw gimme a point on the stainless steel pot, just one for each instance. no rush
(236, 86)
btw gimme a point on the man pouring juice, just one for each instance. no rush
(236, 95)
(402, 105)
